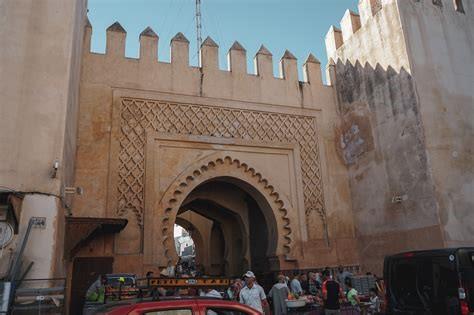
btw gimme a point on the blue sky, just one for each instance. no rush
(296, 25)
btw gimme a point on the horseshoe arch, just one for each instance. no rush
(224, 166)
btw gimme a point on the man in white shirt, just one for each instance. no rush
(252, 294)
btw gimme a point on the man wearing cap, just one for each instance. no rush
(252, 294)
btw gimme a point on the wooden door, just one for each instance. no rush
(85, 271)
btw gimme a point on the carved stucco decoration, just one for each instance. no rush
(217, 166)
(139, 115)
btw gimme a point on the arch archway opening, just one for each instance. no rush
(185, 249)
(237, 226)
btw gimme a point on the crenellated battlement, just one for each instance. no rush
(261, 86)
(351, 23)
(377, 16)
(209, 54)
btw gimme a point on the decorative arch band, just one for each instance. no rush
(189, 180)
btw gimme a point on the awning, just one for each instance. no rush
(81, 230)
(10, 207)
(16, 201)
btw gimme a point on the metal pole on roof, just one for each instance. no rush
(198, 30)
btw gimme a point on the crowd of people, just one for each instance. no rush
(328, 290)
(325, 289)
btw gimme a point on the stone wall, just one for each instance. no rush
(374, 35)
(440, 46)
(122, 99)
(404, 71)
(39, 67)
(39, 84)
(381, 141)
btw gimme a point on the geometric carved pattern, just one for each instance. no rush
(139, 115)
(190, 180)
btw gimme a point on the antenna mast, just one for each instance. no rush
(198, 30)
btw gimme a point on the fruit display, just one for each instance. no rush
(293, 296)
(295, 301)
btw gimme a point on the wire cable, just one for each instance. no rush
(8, 189)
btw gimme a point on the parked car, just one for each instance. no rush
(430, 282)
(183, 306)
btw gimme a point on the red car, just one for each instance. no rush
(184, 306)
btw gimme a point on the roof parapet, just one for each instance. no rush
(179, 37)
(237, 58)
(149, 45)
(263, 62)
(115, 45)
(237, 46)
(350, 24)
(368, 8)
(116, 27)
(148, 32)
(88, 23)
(288, 66)
(87, 35)
(209, 55)
(179, 51)
(331, 72)
(312, 70)
(312, 59)
(209, 42)
(333, 41)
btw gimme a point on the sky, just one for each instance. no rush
(297, 25)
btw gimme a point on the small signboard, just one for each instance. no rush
(188, 282)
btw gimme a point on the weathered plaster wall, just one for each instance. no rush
(373, 36)
(72, 113)
(441, 50)
(381, 141)
(381, 136)
(39, 68)
(404, 85)
(106, 78)
(42, 244)
(39, 83)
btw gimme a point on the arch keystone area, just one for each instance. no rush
(224, 166)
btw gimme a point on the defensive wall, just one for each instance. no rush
(123, 99)
(402, 76)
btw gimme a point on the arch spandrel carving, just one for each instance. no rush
(137, 116)
(222, 165)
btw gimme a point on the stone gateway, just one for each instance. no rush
(265, 173)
